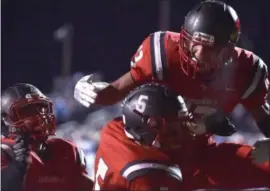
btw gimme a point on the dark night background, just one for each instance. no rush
(106, 34)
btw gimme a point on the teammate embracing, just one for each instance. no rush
(203, 64)
(154, 147)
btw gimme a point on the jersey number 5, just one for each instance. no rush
(101, 172)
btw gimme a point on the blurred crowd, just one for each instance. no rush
(76, 123)
(82, 126)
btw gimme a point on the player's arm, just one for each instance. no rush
(117, 90)
(140, 71)
(262, 116)
(11, 177)
(84, 181)
(146, 63)
(13, 165)
(152, 176)
(255, 95)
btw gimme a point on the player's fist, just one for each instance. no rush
(261, 151)
(87, 88)
(219, 124)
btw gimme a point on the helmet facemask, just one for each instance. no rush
(163, 132)
(207, 39)
(200, 56)
(34, 117)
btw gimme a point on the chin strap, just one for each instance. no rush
(43, 151)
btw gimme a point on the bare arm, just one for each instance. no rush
(140, 72)
(117, 90)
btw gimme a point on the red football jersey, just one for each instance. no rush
(62, 170)
(122, 164)
(244, 81)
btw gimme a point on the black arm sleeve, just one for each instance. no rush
(12, 172)
(12, 178)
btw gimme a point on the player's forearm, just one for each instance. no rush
(109, 96)
(116, 91)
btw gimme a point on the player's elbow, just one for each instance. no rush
(124, 84)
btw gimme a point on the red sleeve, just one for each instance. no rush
(155, 181)
(255, 94)
(140, 64)
(150, 59)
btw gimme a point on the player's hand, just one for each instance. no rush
(196, 126)
(261, 151)
(87, 88)
(22, 152)
(219, 124)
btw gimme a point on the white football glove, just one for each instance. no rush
(86, 89)
(261, 151)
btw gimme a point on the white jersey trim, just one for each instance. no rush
(255, 82)
(157, 50)
(158, 55)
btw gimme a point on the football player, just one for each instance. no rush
(132, 150)
(152, 147)
(29, 159)
(203, 64)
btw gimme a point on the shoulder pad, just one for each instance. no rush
(140, 168)
(158, 55)
(62, 145)
(80, 156)
(59, 141)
